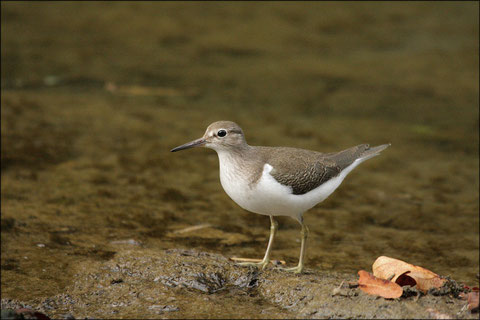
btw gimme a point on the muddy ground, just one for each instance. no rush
(94, 95)
(189, 283)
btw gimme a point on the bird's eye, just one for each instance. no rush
(221, 133)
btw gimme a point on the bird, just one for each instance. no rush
(277, 181)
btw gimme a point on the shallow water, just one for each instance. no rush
(95, 95)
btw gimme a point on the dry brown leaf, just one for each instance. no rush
(209, 233)
(472, 299)
(405, 273)
(193, 228)
(370, 284)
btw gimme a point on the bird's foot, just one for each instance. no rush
(298, 269)
(249, 263)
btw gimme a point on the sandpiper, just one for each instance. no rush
(277, 181)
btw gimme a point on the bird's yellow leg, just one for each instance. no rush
(303, 251)
(266, 259)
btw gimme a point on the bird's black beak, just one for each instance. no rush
(191, 144)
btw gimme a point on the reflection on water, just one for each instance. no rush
(92, 105)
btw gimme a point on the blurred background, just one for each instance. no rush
(95, 94)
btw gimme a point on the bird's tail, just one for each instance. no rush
(371, 152)
(357, 154)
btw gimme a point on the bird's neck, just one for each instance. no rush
(237, 163)
(237, 155)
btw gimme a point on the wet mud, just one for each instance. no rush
(184, 283)
(94, 207)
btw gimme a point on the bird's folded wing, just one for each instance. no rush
(305, 170)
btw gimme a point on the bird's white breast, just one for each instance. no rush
(267, 196)
(235, 184)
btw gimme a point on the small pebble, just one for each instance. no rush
(132, 242)
(162, 308)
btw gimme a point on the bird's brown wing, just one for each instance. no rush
(305, 170)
